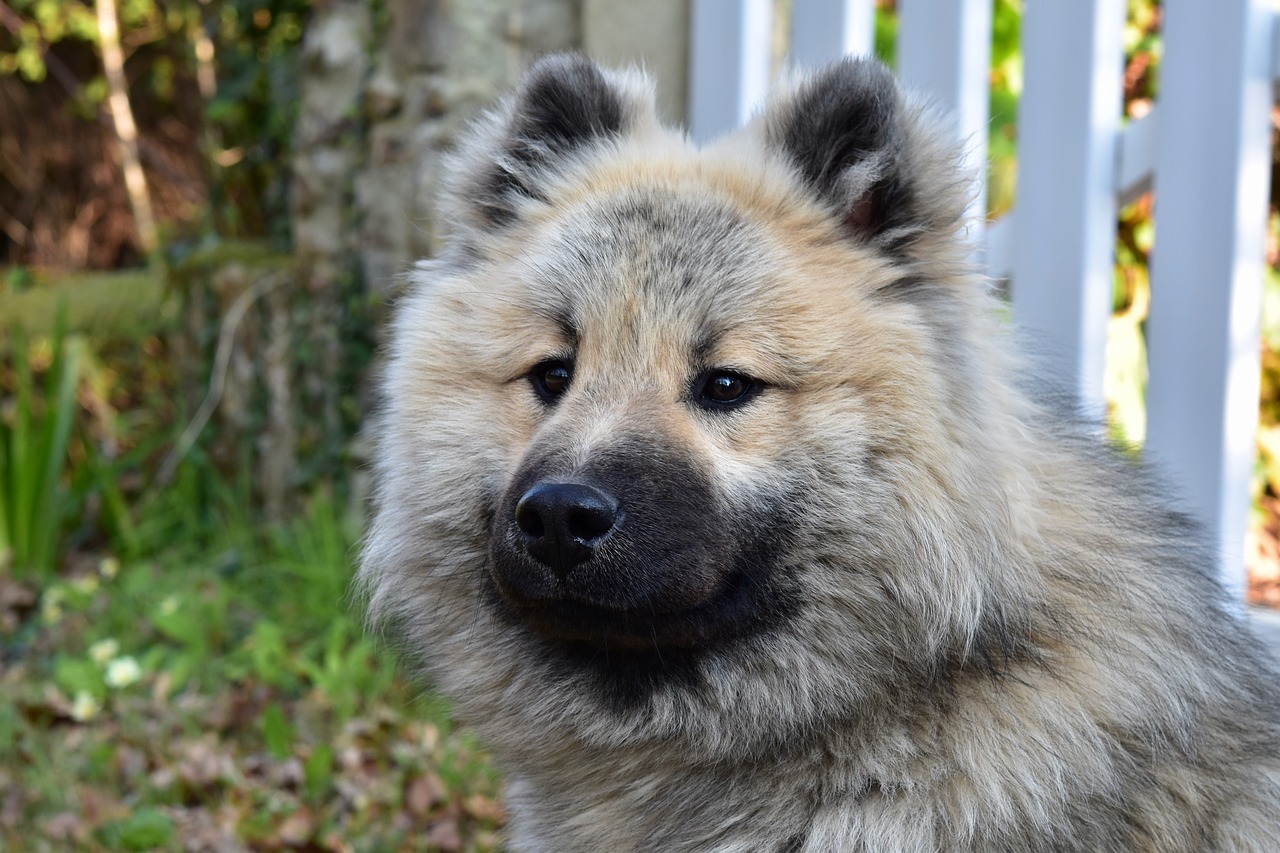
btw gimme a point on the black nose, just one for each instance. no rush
(564, 522)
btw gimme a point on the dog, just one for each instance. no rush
(710, 487)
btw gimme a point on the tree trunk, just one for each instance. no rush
(135, 180)
(436, 64)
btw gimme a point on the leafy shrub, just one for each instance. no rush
(35, 430)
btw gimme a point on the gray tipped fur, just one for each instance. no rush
(918, 610)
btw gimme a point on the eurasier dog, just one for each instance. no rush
(709, 490)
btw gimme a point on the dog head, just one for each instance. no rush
(692, 442)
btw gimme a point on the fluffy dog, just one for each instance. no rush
(709, 489)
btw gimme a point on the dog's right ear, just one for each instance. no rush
(564, 105)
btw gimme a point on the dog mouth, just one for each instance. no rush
(727, 612)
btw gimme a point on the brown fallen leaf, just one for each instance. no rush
(445, 835)
(16, 600)
(297, 828)
(66, 826)
(481, 807)
(334, 844)
(422, 793)
(202, 764)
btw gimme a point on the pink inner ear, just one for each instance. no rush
(860, 214)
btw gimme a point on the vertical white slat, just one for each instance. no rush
(1211, 182)
(729, 74)
(1066, 205)
(997, 247)
(825, 30)
(1275, 53)
(944, 50)
(1135, 170)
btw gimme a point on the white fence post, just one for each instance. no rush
(1212, 163)
(825, 30)
(944, 50)
(729, 74)
(1065, 213)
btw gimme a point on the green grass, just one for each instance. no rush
(224, 688)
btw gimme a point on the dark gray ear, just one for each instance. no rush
(563, 105)
(857, 145)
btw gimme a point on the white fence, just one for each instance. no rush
(1204, 148)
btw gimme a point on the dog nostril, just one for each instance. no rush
(528, 517)
(591, 521)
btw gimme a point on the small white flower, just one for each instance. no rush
(51, 604)
(122, 672)
(86, 585)
(50, 611)
(104, 650)
(85, 707)
(109, 567)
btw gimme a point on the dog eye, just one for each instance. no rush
(550, 379)
(721, 389)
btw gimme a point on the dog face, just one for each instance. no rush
(649, 508)
(687, 442)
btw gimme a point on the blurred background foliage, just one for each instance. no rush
(214, 87)
(180, 495)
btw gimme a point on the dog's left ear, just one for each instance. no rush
(862, 149)
(564, 106)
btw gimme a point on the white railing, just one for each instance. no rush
(1204, 148)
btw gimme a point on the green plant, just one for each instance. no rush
(344, 666)
(314, 555)
(35, 430)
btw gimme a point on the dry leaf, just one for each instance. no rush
(422, 793)
(444, 834)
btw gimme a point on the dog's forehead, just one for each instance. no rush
(656, 239)
(653, 254)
